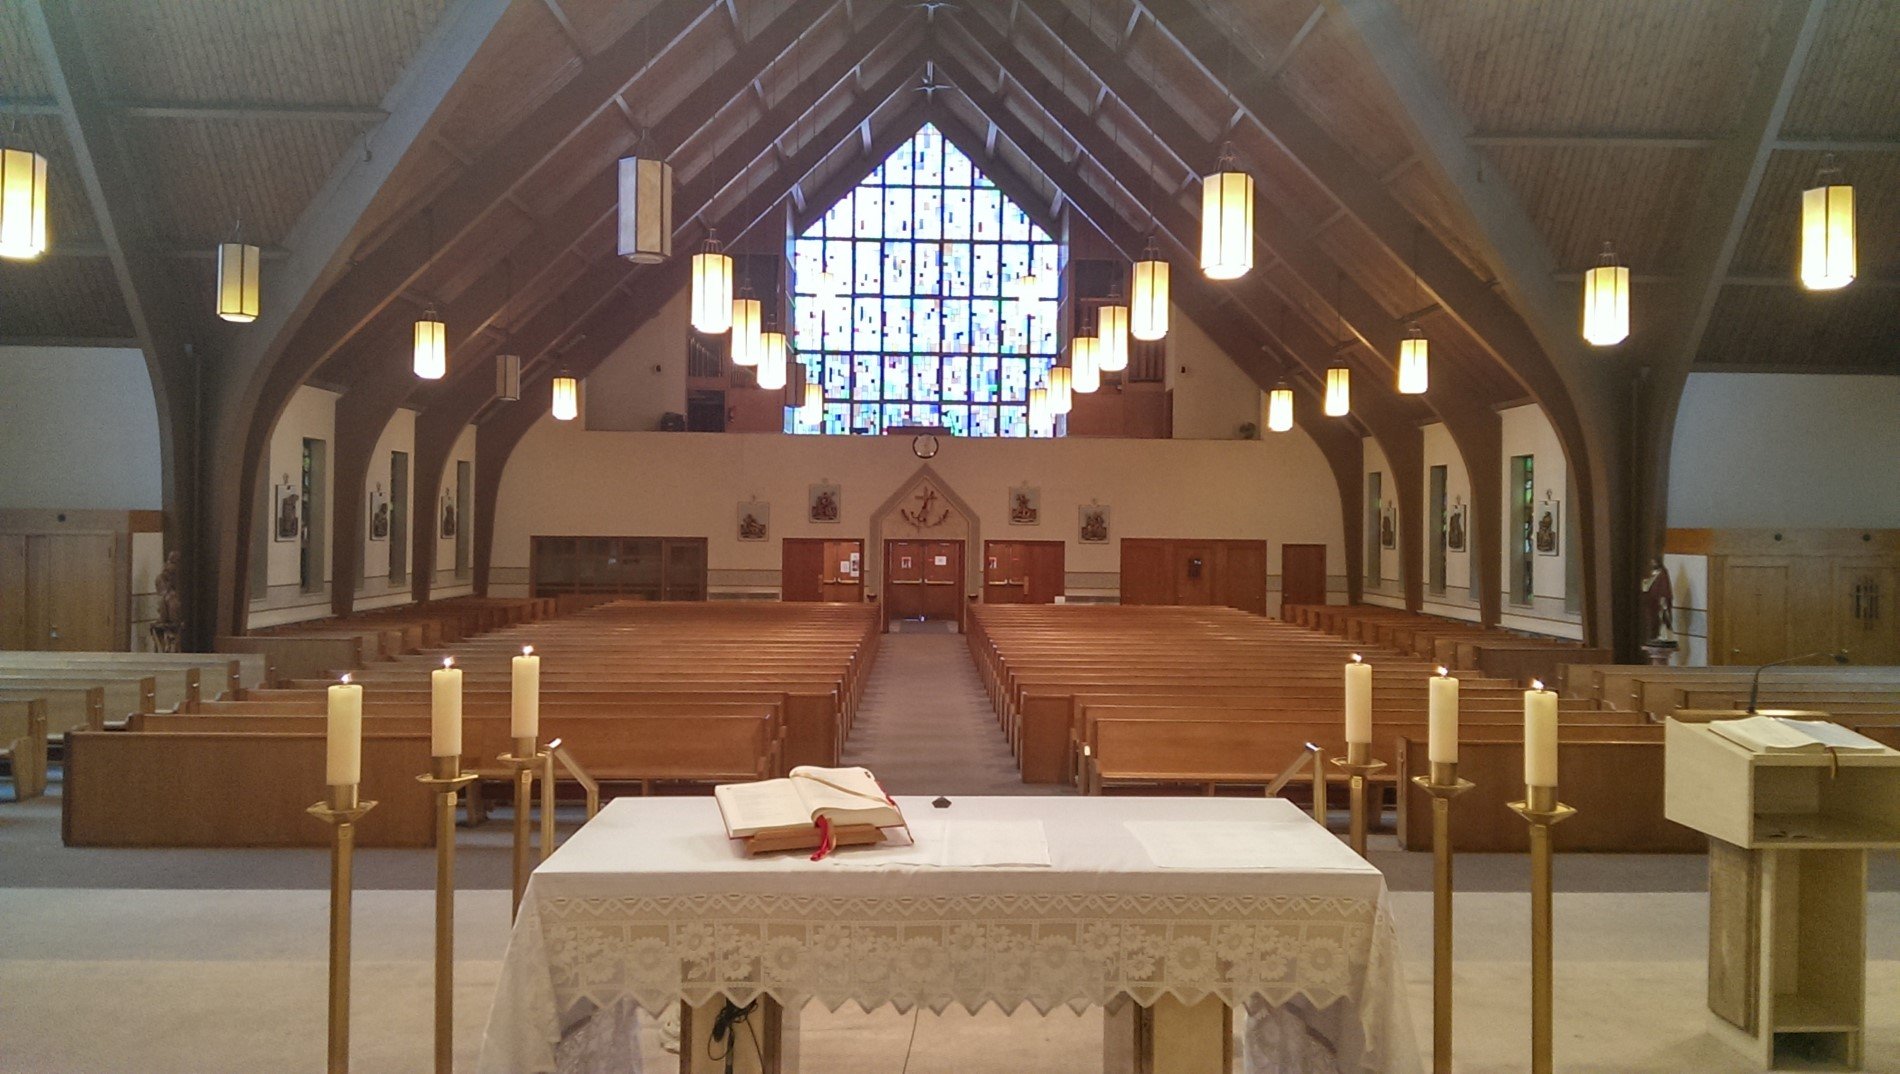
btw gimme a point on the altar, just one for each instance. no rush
(1145, 905)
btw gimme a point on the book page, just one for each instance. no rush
(749, 808)
(1834, 735)
(1764, 734)
(846, 795)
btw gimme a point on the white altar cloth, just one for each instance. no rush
(650, 902)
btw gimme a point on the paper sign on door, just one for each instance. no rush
(904, 562)
(943, 561)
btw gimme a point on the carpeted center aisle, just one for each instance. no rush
(925, 725)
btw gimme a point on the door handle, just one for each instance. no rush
(929, 582)
(906, 581)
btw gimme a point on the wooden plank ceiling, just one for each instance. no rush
(1596, 116)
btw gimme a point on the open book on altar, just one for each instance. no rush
(1779, 734)
(812, 807)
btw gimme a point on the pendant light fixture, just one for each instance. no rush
(1827, 230)
(1111, 328)
(22, 204)
(1415, 351)
(773, 354)
(566, 403)
(1085, 375)
(1414, 361)
(431, 346)
(238, 265)
(430, 352)
(746, 313)
(712, 287)
(1338, 390)
(1148, 297)
(1038, 409)
(1061, 390)
(1227, 220)
(646, 210)
(1606, 301)
(814, 408)
(1280, 408)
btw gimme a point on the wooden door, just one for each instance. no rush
(1302, 574)
(1864, 605)
(1046, 566)
(843, 566)
(801, 570)
(1005, 575)
(1147, 571)
(1754, 614)
(13, 591)
(71, 592)
(903, 579)
(943, 581)
(1194, 569)
(1241, 575)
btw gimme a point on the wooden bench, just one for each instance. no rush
(23, 745)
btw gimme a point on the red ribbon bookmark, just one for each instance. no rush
(826, 841)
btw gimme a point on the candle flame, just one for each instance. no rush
(1537, 684)
(346, 678)
(1443, 671)
(448, 661)
(527, 650)
(1357, 659)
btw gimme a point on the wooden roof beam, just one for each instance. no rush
(214, 110)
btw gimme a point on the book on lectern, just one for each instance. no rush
(1779, 734)
(812, 808)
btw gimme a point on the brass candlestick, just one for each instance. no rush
(1540, 810)
(525, 759)
(1443, 785)
(1358, 764)
(445, 776)
(341, 812)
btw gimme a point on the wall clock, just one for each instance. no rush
(924, 446)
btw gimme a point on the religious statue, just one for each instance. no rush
(168, 625)
(1658, 600)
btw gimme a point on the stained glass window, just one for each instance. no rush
(930, 325)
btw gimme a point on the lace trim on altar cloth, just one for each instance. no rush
(1303, 954)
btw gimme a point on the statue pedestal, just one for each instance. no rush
(1660, 653)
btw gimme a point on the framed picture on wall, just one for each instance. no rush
(448, 514)
(287, 510)
(1547, 531)
(1389, 525)
(1092, 524)
(827, 503)
(755, 520)
(1455, 527)
(379, 515)
(1025, 506)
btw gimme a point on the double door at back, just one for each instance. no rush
(60, 592)
(923, 580)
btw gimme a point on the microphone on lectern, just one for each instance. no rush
(1839, 656)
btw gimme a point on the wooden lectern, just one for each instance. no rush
(1788, 840)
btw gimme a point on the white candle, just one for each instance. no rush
(445, 710)
(1540, 736)
(345, 764)
(1358, 700)
(525, 717)
(1443, 713)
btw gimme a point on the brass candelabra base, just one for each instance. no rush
(526, 760)
(447, 780)
(1541, 809)
(341, 811)
(1443, 785)
(1358, 766)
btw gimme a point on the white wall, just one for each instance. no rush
(1689, 603)
(1527, 431)
(565, 480)
(1213, 397)
(1458, 600)
(78, 429)
(376, 590)
(1768, 449)
(446, 584)
(1391, 588)
(310, 415)
(626, 393)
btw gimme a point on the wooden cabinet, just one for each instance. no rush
(1023, 572)
(1777, 593)
(1194, 571)
(643, 568)
(66, 578)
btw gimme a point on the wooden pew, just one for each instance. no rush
(23, 745)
